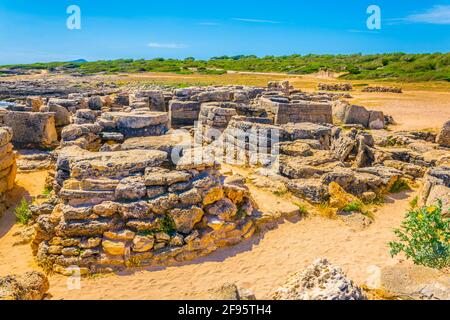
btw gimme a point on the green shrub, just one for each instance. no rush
(23, 213)
(424, 237)
(355, 206)
(399, 186)
(393, 66)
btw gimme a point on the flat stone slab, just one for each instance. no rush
(84, 164)
(137, 120)
(164, 143)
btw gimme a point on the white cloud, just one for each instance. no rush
(438, 14)
(158, 45)
(256, 20)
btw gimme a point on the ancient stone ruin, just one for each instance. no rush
(136, 175)
(8, 166)
(134, 209)
(382, 89)
(335, 87)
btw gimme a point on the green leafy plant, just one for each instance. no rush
(23, 213)
(424, 237)
(47, 191)
(355, 206)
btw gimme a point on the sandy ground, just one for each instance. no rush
(260, 264)
(18, 259)
(412, 110)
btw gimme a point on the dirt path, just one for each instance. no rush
(260, 264)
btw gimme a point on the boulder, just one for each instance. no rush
(33, 129)
(95, 103)
(351, 114)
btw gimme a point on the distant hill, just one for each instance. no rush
(390, 66)
(79, 60)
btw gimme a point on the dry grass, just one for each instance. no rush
(308, 82)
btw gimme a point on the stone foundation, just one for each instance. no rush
(8, 166)
(125, 209)
(285, 111)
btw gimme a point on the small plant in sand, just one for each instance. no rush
(133, 262)
(424, 237)
(23, 213)
(302, 208)
(399, 186)
(47, 191)
(355, 206)
(414, 203)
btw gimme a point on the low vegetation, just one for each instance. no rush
(355, 206)
(393, 66)
(165, 224)
(23, 213)
(47, 191)
(399, 186)
(424, 237)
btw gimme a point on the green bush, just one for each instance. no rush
(394, 66)
(355, 206)
(23, 213)
(424, 237)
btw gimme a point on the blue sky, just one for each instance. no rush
(35, 30)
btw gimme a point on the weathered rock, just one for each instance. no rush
(131, 188)
(114, 247)
(95, 103)
(231, 292)
(143, 243)
(30, 286)
(186, 219)
(320, 281)
(444, 136)
(35, 129)
(409, 281)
